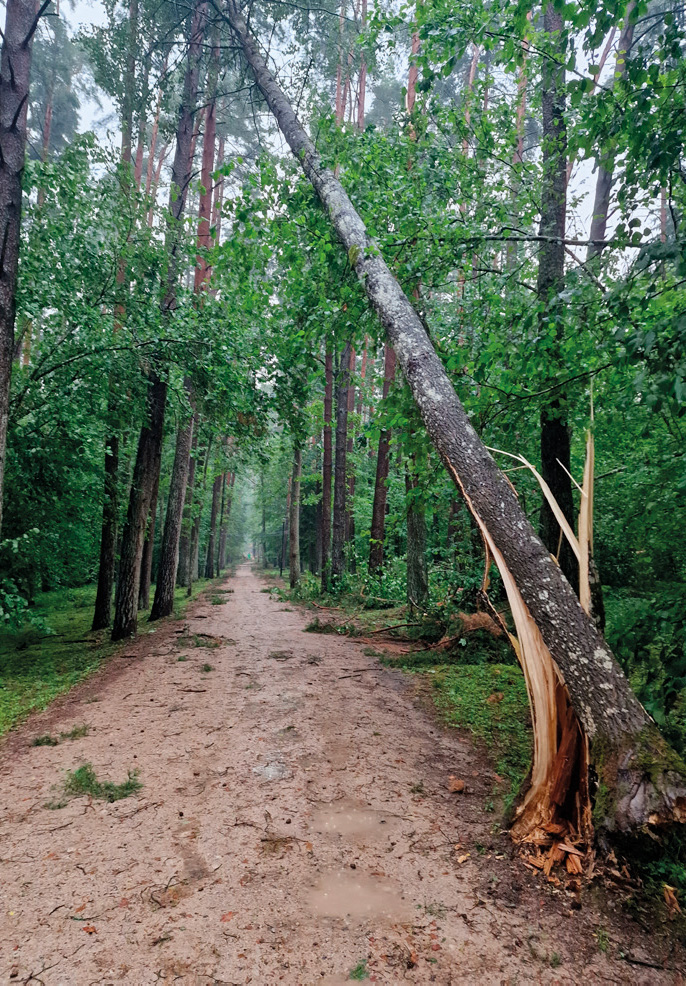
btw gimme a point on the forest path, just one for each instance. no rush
(294, 826)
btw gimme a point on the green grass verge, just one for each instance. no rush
(36, 664)
(490, 700)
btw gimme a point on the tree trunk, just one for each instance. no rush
(15, 70)
(187, 522)
(340, 481)
(555, 430)
(376, 537)
(327, 468)
(350, 471)
(222, 530)
(294, 540)
(606, 164)
(102, 616)
(145, 471)
(150, 442)
(194, 553)
(163, 603)
(209, 558)
(149, 549)
(417, 575)
(641, 780)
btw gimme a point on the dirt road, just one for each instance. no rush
(294, 826)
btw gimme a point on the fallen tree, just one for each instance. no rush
(595, 747)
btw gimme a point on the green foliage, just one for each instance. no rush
(360, 972)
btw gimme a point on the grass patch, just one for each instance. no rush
(207, 667)
(78, 732)
(37, 663)
(359, 972)
(45, 741)
(216, 600)
(84, 780)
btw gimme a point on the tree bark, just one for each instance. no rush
(149, 453)
(147, 467)
(340, 482)
(294, 539)
(186, 522)
(555, 430)
(376, 536)
(102, 616)
(350, 472)
(641, 780)
(21, 19)
(193, 555)
(327, 468)
(163, 603)
(149, 549)
(209, 558)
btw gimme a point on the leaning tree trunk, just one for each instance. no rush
(327, 468)
(126, 609)
(376, 535)
(339, 481)
(163, 603)
(21, 21)
(294, 540)
(555, 429)
(641, 780)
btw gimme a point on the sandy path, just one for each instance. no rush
(277, 837)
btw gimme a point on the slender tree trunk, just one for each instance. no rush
(294, 540)
(110, 509)
(156, 181)
(150, 442)
(142, 124)
(362, 89)
(340, 482)
(417, 575)
(186, 522)
(350, 472)
(163, 603)
(209, 558)
(15, 70)
(376, 536)
(555, 429)
(641, 780)
(327, 468)
(285, 529)
(155, 131)
(222, 535)
(606, 164)
(149, 549)
(194, 553)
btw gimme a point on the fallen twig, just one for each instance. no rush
(396, 626)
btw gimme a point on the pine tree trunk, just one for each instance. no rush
(163, 603)
(294, 540)
(182, 573)
(376, 537)
(340, 480)
(15, 71)
(327, 468)
(214, 512)
(149, 549)
(222, 533)
(146, 469)
(640, 780)
(102, 616)
(350, 471)
(149, 454)
(555, 430)
(417, 575)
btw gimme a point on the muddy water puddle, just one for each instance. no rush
(352, 896)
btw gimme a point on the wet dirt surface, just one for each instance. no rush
(294, 826)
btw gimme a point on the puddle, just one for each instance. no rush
(357, 822)
(273, 770)
(345, 894)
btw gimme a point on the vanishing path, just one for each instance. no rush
(294, 824)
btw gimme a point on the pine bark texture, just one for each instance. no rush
(640, 779)
(327, 469)
(212, 538)
(102, 616)
(15, 72)
(149, 549)
(163, 603)
(340, 485)
(182, 573)
(294, 539)
(377, 532)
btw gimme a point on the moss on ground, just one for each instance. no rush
(39, 662)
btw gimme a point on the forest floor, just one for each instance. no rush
(294, 825)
